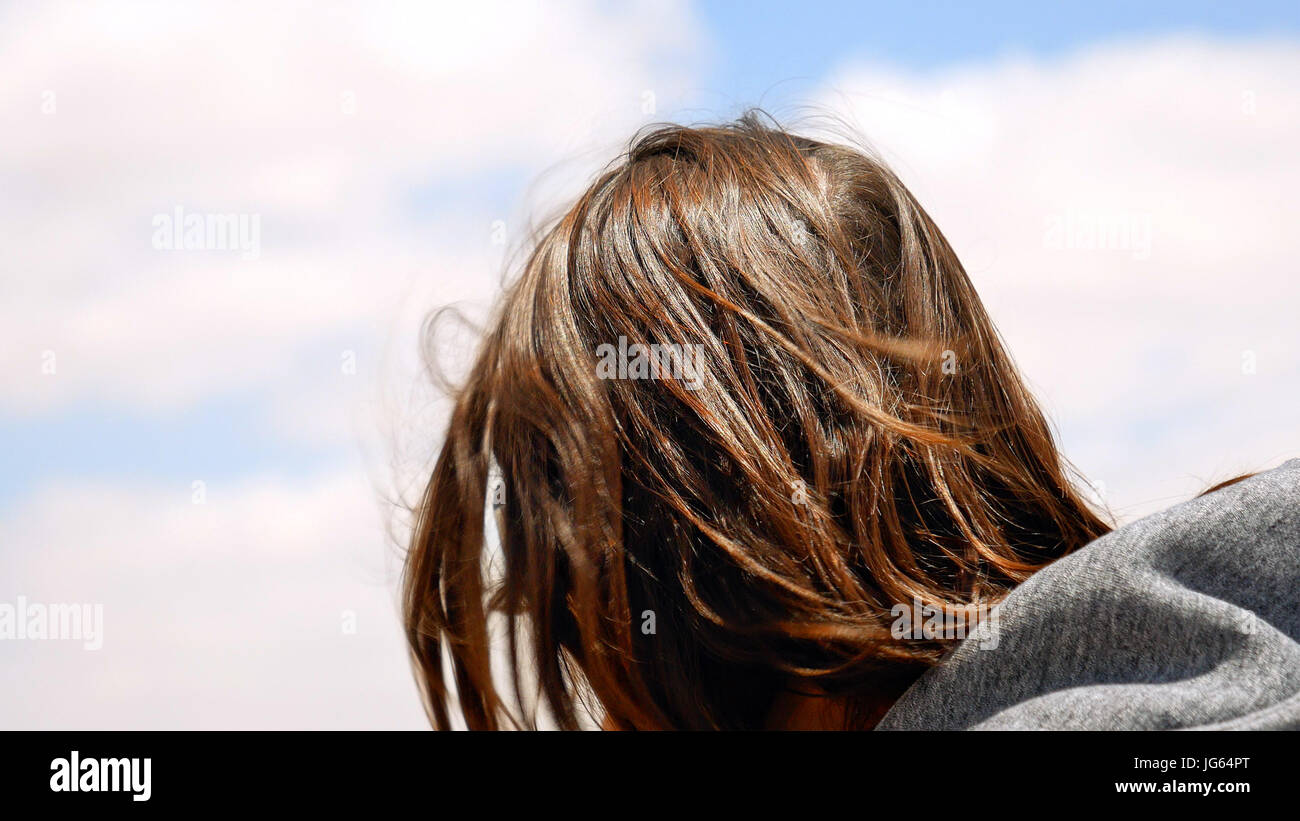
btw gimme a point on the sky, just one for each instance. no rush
(212, 443)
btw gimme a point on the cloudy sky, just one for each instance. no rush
(208, 441)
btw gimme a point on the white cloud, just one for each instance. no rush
(1137, 349)
(325, 122)
(232, 613)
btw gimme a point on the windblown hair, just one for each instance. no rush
(676, 554)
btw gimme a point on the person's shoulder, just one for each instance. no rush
(1278, 488)
(1253, 523)
(1185, 618)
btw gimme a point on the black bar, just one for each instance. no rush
(440, 771)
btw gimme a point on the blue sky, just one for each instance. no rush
(769, 52)
(766, 44)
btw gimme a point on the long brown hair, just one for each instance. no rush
(679, 546)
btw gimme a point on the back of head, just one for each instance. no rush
(744, 400)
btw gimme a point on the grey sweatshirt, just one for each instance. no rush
(1189, 618)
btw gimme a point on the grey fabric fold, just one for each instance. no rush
(1189, 618)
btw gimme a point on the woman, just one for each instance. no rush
(749, 417)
